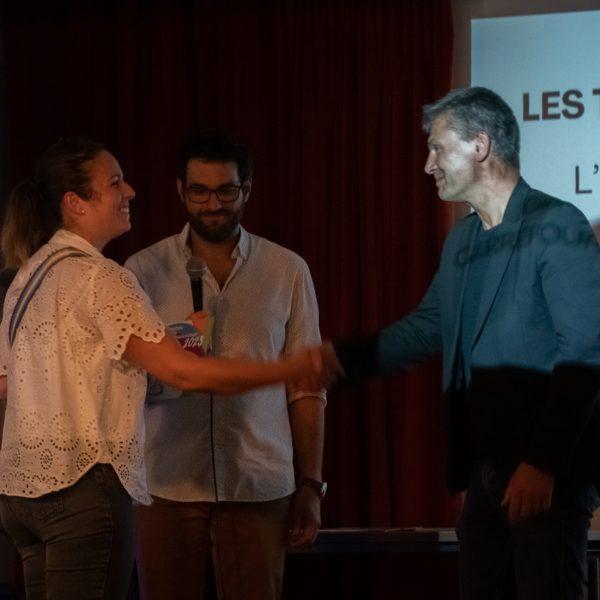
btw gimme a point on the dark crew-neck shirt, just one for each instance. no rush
(485, 244)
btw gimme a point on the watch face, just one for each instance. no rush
(320, 487)
(323, 490)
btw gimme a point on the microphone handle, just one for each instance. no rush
(197, 293)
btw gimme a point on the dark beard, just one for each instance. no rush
(219, 234)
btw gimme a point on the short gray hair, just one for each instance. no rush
(471, 110)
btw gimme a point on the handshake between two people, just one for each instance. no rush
(317, 367)
(309, 370)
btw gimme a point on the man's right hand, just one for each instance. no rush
(529, 492)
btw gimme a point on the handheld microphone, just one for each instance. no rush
(196, 267)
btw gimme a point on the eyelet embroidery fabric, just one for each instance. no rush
(73, 400)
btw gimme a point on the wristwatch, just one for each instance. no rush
(320, 487)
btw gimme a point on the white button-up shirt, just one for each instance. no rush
(266, 309)
(73, 401)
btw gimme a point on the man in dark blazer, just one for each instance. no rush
(515, 310)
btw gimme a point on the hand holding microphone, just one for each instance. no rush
(199, 320)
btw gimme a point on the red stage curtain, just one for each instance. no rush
(328, 93)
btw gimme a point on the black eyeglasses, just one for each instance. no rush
(200, 194)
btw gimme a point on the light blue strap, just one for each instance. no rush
(34, 283)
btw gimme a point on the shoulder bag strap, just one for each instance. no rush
(34, 283)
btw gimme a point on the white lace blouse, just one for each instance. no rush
(73, 401)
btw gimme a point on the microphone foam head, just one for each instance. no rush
(195, 267)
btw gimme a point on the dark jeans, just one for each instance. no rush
(540, 558)
(76, 543)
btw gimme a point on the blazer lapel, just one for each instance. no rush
(501, 254)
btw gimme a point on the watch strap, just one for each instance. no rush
(320, 487)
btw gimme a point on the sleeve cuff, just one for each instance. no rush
(321, 395)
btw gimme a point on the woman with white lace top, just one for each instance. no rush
(73, 371)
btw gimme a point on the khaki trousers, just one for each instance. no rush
(246, 540)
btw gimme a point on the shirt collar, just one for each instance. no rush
(66, 238)
(242, 248)
(182, 241)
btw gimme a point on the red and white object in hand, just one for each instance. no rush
(195, 335)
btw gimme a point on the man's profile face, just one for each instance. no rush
(214, 220)
(451, 161)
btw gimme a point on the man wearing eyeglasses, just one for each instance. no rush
(263, 302)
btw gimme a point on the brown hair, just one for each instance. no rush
(33, 211)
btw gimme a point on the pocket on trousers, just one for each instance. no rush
(42, 509)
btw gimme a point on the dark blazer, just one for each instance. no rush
(536, 348)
